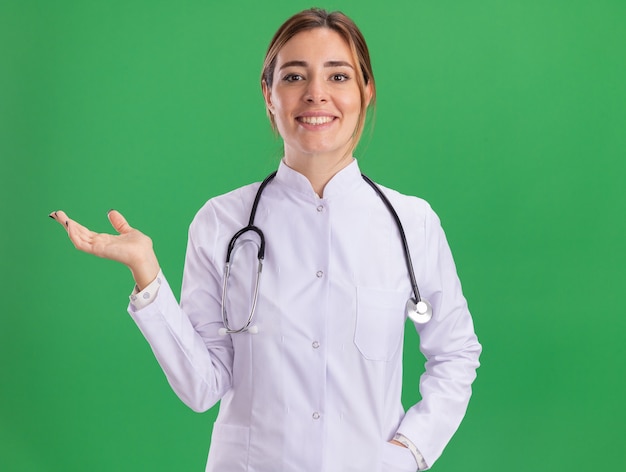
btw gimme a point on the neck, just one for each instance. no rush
(318, 169)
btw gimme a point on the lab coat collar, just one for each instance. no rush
(344, 181)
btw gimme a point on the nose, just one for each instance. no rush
(316, 91)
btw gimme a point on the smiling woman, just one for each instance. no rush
(307, 365)
(315, 101)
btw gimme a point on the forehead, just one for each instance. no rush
(319, 44)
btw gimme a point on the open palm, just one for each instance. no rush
(130, 246)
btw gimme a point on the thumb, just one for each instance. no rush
(119, 222)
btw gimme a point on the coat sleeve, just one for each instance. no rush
(450, 347)
(196, 360)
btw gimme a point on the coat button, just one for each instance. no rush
(319, 274)
(316, 416)
(315, 344)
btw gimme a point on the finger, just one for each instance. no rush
(83, 238)
(79, 234)
(60, 217)
(119, 222)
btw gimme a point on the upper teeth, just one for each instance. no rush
(316, 120)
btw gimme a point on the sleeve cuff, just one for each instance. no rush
(139, 300)
(402, 439)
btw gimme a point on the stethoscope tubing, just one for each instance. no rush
(405, 244)
(417, 309)
(260, 257)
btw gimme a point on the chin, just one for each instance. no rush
(316, 149)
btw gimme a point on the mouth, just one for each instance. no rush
(315, 120)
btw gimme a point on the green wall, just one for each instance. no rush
(508, 116)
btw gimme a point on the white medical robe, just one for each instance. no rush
(318, 387)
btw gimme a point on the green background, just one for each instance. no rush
(507, 116)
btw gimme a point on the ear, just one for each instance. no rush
(267, 95)
(368, 93)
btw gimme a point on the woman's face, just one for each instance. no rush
(315, 98)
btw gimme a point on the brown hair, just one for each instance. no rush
(348, 30)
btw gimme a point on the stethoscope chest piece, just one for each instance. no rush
(420, 312)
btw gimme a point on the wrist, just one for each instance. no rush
(145, 271)
(397, 443)
(417, 455)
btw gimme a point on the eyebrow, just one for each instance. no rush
(326, 64)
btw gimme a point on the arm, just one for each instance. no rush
(199, 372)
(185, 339)
(451, 349)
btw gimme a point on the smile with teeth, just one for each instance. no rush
(316, 120)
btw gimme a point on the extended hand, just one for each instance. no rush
(130, 247)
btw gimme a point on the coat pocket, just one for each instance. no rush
(398, 459)
(379, 322)
(229, 448)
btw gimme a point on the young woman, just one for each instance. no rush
(306, 355)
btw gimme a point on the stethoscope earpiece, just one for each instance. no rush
(420, 312)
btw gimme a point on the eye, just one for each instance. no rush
(339, 77)
(292, 78)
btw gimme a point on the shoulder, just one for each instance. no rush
(231, 207)
(416, 215)
(408, 206)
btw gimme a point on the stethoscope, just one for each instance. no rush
(417, 309)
